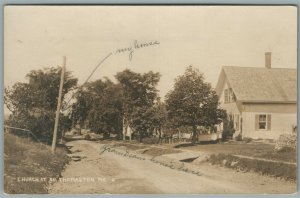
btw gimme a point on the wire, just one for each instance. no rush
(97, 66)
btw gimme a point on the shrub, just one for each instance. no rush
(87, 137)
(228, 129)
(33, 104)
(286, 141)
(239, 137)
(150, 140)
(248, 139)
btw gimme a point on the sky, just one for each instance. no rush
(207, 37)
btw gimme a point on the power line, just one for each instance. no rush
(74, 94)
(96, 68)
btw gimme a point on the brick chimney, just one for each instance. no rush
(268, 60)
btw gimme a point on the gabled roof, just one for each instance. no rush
(252, 84)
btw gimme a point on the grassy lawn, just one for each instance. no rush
(251, 149)
(275, 169)
(25, 158)
(223, 154)
(260, 150)
(147, 149)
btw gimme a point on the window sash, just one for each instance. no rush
(262, 118)
(263, 122)
(226, 93)
(262, 125)
(229, 96)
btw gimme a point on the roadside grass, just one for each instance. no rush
(24, 159)
(275, 169)
(153, 151)
(223, 154)
(251, 149)
(259, 150)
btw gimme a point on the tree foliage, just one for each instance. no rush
(158, 117)
(104, 106)
(139, 96)
(193, 102)
(99, 107)
(228, 128)
(33, 104)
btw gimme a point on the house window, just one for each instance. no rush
(263, 122)
(226, 95)
(229, 96)
(237, 122)
(232, 96)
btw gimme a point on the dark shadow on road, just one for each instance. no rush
(189, 160)
(195, 144)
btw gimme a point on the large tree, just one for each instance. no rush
(139, 96)
(33, 104)
(158, 115)
(99, 106)
(193, 102)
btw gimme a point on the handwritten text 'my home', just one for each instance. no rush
(136, 46)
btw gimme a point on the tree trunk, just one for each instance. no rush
(194, 134)
(79, 130)
(179, 135)
(159, 135)
(124, 129)
(140, 137)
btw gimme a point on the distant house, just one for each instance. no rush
(261, 102)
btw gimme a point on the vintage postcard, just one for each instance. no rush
(150, 99)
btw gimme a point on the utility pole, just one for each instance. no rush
(58, 105)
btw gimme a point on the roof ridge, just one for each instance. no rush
(259, 84)
(258, 67)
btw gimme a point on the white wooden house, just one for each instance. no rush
(262, 102)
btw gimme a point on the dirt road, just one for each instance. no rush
(111, 173)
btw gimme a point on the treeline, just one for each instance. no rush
(104, 106)
(33, 104)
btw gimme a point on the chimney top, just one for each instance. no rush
(268, 57)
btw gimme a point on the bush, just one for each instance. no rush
(239, 137)
(247, 139)
(286, 142)
(33, 104)
(87, 137)
(228, 129)
(286, 149)
(42, 127)
(150, 140)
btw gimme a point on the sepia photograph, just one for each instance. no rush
(152, 99)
